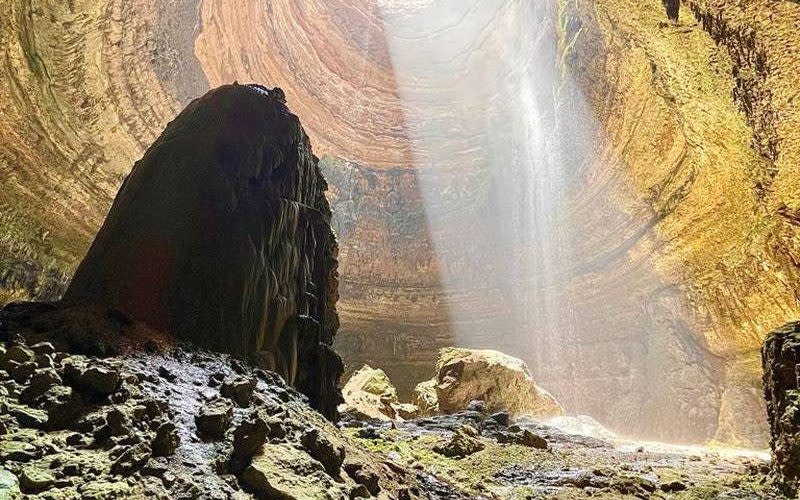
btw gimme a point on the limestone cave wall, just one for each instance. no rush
(685, 241)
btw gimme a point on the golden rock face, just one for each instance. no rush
(688, 211)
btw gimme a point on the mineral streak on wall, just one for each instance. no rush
(692, 185)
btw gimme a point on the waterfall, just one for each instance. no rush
(498, 136)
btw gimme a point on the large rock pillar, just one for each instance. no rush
(221, 236)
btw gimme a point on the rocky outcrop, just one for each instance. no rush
(500, 381)
(781, 360)
(159, 422)
(221, 236)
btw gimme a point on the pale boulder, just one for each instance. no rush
(370, 394)
(424, 397)
(501, 381)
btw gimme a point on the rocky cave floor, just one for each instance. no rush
(85, 417)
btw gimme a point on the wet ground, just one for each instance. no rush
(572, 466)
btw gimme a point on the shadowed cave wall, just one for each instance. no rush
(691, 185)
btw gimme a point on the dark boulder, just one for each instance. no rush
(780, 357)
(221, 236)
(213, 419)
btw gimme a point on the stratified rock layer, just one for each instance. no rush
(221, 236)
(781, 359)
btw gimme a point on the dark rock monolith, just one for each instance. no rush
(780, 356)
(221, 236)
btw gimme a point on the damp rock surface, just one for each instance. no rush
(491, 456)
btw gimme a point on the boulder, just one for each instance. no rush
(166, 440)
(369, 394)
(131, 460)
(424, 398)
(328, 453)
(465, 441)
(221, 236)
(779, 357)
(93, 379)
(63, 405)
(35, 479)
(18, 354)
(39, 383)
(238, 390)
(522, 437)
(9, 485)
(248, 438)
(213, 419)
(501, 381)
(282, 471)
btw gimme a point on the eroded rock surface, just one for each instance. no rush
(221, 236)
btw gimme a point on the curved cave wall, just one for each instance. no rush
(683, 213)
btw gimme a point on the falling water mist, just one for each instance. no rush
(499, 136)
(504, 144)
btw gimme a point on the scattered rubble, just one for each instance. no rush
(167, 422)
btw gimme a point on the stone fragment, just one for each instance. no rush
(531, 440)
(166, 440)
(277, 429)
(424, 397)
(17, 451)
(63, 406)
(248, 437)
(369, 394)
(72, 469)
(21, 372)
(238, 390)
(501, 418)
(673, 486)
(465, 441)
(16, 353)
(131, 460)
(329, 454)
(9, 485)
(44, 361)
(364, 475)
(95, 380)
(38, 385)
(167, 374)
(213, 419)
(30, 417)
(35, 479)
(118, 422)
